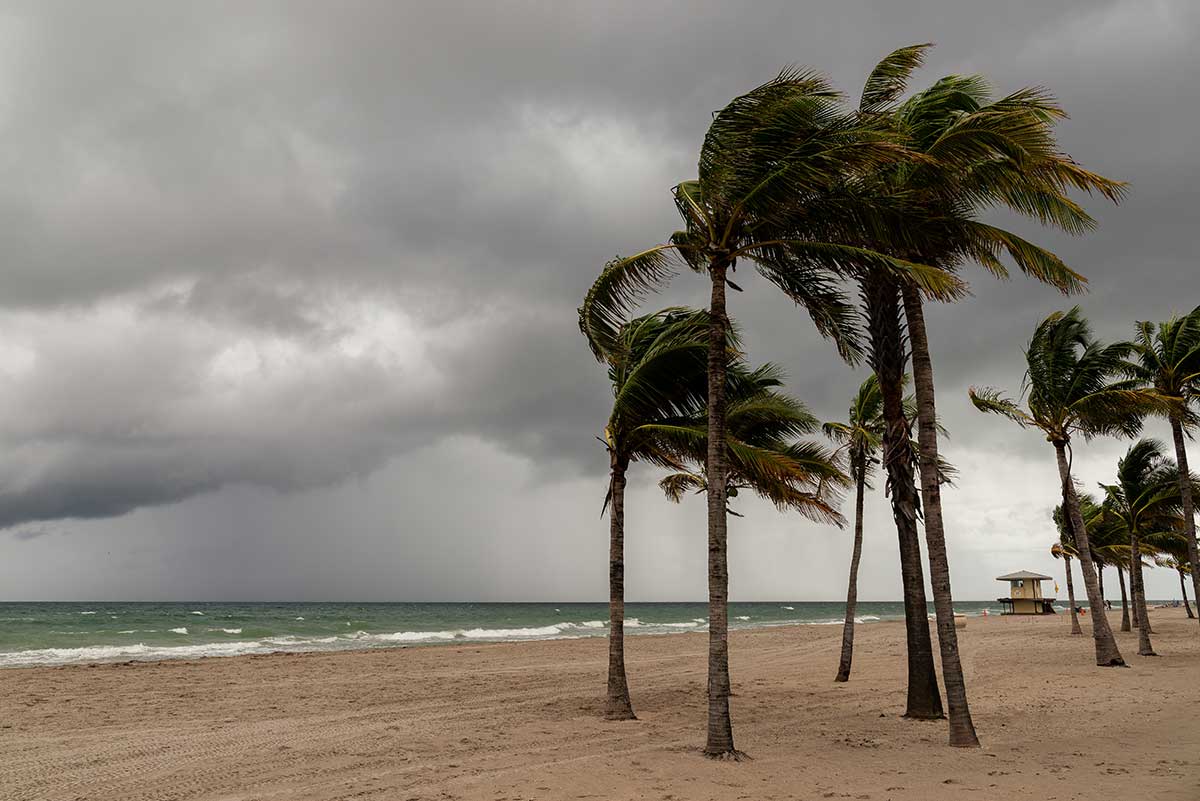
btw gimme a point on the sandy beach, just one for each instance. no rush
(521, 721)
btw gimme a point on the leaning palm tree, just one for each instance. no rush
(1070, 389)
(656, 365)
(1143, 502)
(1166, 357)
(861, 434)
(978, 152)
(772, 170)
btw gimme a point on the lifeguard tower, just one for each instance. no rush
(1025, 594)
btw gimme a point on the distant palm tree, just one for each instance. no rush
(1065, 549)
(770, 189)
(1143, 502)
(861, 433)
(1069, 390)
(1166, 357)
(1110, 547)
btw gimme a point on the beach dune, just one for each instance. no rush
(522, 721)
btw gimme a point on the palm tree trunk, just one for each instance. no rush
(1189, 515)
(1107, 653)
(888, 359)
(1133, 577)
(720, 727)
(1125, 626)
(843, 673)
(1071, 598)
(1183, 589)
(617, 706)
(962, 729)
(1139, 596)
(1100, 581)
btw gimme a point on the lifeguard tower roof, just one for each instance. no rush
(1023, 574)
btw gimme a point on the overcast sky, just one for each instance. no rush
(287, 304)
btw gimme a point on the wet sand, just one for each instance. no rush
(522, 721)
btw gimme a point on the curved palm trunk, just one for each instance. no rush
(843, 673)
(1139, 597)
(1107, 653)
(1183, 590)
(962, 729)
(617, 705)
(720, 727)
(888, 358)
(1189, 514)
(1125, 625)
(1071, 598)
(1100, 581)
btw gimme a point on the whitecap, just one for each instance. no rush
(180, 630)
(632, 623)
(594, 624)
(789, 608)
(742, 617)
(87, 613)
(197, 613)
(230, 631)
(299, 618)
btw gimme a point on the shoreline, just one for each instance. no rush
(177, 631)
(522, 720)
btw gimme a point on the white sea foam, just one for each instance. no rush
(865, 618)
(111, 653)
(691, 624)
(299, 618)
(742, 617)
(87, 613)
(632, 622)
(180, 630)
(789, 608)
(594, 624)
(228, 631)
(197, 613)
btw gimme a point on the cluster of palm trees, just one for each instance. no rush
(859, 214)
(1077, 386)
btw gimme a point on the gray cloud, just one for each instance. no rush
(295, 245)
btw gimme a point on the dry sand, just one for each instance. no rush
(521, 721)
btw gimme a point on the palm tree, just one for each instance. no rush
(861, 434)
(1110, 547)
(1143, 502)
(771, 174)
(979, 153)
(1064, 549)
(656, 365)
(762, 452)
(1166, 357)
(1069, 390)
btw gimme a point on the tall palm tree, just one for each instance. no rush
(656, 365)
(1070, 389)
(861, 434)
(771, 172)
(1142, 502)
(978, 153)
(1166, 357)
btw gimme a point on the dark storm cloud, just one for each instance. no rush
(284, 244)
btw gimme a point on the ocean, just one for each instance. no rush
(81, 632)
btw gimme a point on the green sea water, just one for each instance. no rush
(79, 632)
